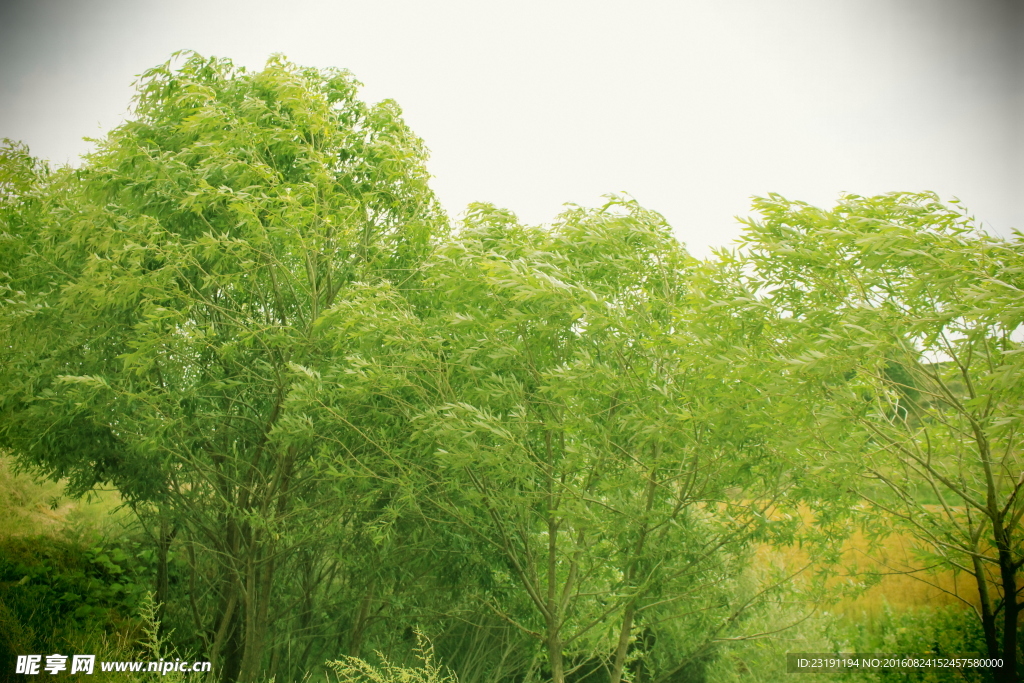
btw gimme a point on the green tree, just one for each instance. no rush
(900, 315)
(578, 428)
(166, 296)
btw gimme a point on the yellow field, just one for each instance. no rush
(891, 572)
(903, 584)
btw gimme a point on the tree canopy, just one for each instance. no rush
(171, 291)
(561, 449)
(901, 320)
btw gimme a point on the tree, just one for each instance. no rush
(167, 296)
(577, 429)
(901, 317)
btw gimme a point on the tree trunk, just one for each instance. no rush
(1011, 609)
(232, 654)
(166, 536)
(555, 655)
(988, 619)
(623, 647)
(355, 645)
(224, 625)
(553, 618)
(627, 617)
(258, 586)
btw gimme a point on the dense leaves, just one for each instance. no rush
(564, 450)
(567, 415)
(169, 293)
(54, 590)
(902, 320)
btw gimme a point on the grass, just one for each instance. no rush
(38, 508)
(48, 537)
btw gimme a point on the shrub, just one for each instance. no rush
(356, 670)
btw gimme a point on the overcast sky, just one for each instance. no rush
(690, 106)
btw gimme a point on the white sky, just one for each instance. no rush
(690, 106)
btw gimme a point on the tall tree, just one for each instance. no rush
(578, 426)
(902, 317)
(168, 293)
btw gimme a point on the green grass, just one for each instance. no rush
(39, 508)
(63, 582)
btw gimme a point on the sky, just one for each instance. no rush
(692, 107)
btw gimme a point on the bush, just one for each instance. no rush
(54, 592)
(356, 670)
(939, 631)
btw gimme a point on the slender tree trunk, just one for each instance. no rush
(1011, 610)
(553, 618)
(554, 613)
(275, 661)
(225, 625)
(359, 628)
(232, 627)
(226, 656)
(555, 654)
(166, 536)
(260, 568)
(988, 619)
(623, 646)
(630, 611)
(233, 650)
(249, 593)
(259, 576)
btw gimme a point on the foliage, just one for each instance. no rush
(946, 631)
(568, 420)
(52, 590)
(572, 451)
(356, 670)
(899, 321)
(171, 291)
